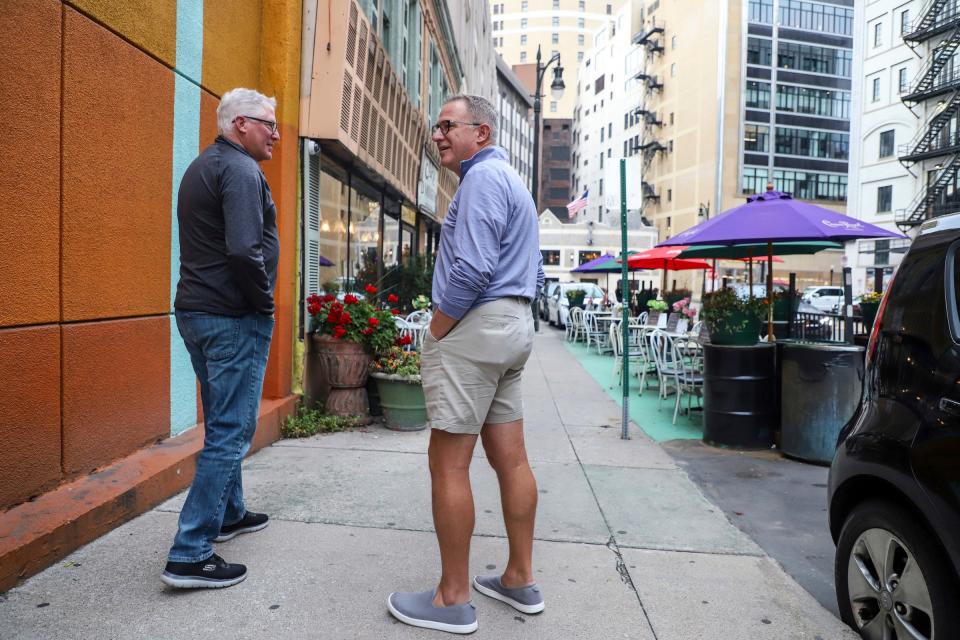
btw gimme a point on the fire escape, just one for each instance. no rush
(937, 90)
(652, 40)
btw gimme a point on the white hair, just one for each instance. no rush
(480, 109)
(241, 102)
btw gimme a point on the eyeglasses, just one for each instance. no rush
(269, 124)
(444, 126)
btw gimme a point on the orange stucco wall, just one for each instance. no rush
(30, 102)
(117, 155)
(115, 395)
(30, 406)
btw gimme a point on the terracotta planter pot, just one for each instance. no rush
(344, 366)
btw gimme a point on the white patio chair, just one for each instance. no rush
(634, 356)
(688, 357)
(420, 317)
(576, 329)
(647, 365)
(415, 332)
(596, 335)
(668, 371)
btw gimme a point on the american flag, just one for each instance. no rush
(576, 205)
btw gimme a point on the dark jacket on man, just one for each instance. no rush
(229, 247)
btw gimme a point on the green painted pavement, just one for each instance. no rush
(643, 409)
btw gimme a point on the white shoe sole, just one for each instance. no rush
(234, 534)
(430, 624)
(496, 595)
(180, 582)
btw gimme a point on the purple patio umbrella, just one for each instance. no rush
(775, 216)
(324, 262)
(596, 262)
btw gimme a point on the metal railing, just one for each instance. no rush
(824, 327)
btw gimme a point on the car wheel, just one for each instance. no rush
(891, 582)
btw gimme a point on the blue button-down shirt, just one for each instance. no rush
(489, 242)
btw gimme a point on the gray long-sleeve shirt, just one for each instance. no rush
(229, 247)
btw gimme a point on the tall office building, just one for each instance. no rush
(741, 93)
(516, 121)
(556, 26)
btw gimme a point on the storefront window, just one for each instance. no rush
(364, 239)
(333, 230)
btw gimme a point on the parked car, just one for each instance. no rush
(826, 299)
(548, 288)
(894, 488)
(558, 307)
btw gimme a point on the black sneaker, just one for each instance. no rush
(249, 523)
(212, 573)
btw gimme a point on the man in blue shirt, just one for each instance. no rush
(488, 270)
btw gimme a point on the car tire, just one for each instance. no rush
(887, 526)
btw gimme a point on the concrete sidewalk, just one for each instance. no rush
(627, 546)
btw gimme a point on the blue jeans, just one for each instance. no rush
(229, 356)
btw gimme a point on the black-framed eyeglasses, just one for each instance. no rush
(269, 124)
(444, 126)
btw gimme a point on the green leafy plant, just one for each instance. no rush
(575, 297)
(307, 422)
(397, 362)
(421, 302)
(726, 313)
(656, 305)
(354, 319)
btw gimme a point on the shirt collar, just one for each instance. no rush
(487, 153)
(238, 147)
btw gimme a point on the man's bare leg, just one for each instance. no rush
(453, 514)
(507, 455)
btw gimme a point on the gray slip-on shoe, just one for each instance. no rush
(525, 599)
(417, 609)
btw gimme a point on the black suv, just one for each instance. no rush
(895, 479)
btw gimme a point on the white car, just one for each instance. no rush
(825, 299)
(558, 307)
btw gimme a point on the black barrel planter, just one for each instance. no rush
(740, 408)
(821, 386)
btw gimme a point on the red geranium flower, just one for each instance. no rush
(373, 322)
(393, 299)
(367, 331)
(345, 318)
(372, 290)
(313, 299)
(336, 307)
(404, 340)
(350, 299)
(313, 308)
(329, 297)
(339, 331)
(395, 312)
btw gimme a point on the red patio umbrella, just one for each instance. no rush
(664, 258)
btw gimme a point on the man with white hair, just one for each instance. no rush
(229, 248)
(487, 272)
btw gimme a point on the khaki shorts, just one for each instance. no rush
(472, 376)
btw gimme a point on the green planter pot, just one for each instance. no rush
(869, 312)
(401, 398)
(781, 311)
(742, 337)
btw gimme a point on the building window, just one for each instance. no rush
(496, 8)
(523, 39)
(601, 159)
(579, 56)
(876, 90)
(673, 70)
(553, 106)
(905, 21)
(523, 23)
(811, 186)
(669, 195)
(523, 56)
(884, 199)
(551, 257)
(556, 4)
(886, 143)
(813, 144)
(754, 180)
(814, 16)
(758, 95)
(555, 38)
(671, 118)
(556, 21)
(761, 11)
(581, 23)
(582, 5)
(601, 187)
(818, 102)
(609, 9)
(673, 42)
(902, 83)
(877, 35)
(756, 137)
(759, 51)
(804, 57)
(580, 39)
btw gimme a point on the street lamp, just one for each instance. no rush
(556, 91)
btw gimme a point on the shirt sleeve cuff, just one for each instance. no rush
(454, 311)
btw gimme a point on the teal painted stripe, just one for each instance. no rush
(190, 38)
(186, 143)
